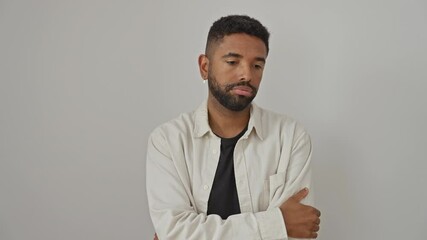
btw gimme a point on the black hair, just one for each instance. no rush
(236, 24)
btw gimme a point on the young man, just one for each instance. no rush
(230, 169)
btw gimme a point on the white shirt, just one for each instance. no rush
(271, 163)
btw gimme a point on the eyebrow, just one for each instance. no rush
(236, 55)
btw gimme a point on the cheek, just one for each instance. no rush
(257, 79)
(226, 71)
(224, 76)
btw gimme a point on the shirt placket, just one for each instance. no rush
(212, 156)
(241, 175)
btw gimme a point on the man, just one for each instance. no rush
(230, 169)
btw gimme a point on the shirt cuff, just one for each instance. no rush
(271, 224)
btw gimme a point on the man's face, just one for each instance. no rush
(235, 70)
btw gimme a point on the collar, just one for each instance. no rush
(201, 121)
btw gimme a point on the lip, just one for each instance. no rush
(243, 90)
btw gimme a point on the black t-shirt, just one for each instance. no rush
(223, 199)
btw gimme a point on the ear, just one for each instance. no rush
(203, 66)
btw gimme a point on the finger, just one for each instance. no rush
(318, 213)
(313, 235)
(315, 228)
(300, 195)
(314, 211)
(317, 221)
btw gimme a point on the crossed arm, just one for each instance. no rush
(174, 217)
(301, 221)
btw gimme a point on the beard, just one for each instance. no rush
(234, 103)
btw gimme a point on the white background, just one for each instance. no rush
(83, 83)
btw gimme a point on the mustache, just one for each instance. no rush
(230, 86)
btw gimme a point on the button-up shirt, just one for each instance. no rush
(271, 163)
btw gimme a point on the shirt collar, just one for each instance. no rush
(201, 121)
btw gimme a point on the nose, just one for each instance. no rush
(245, 72)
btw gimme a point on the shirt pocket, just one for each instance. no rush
(273, 188)
(276, 188)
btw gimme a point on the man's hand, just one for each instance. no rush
(155, 237)
(302, 221)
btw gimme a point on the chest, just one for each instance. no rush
(255, 160)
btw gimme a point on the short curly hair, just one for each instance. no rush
(236, 24)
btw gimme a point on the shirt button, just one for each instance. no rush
(205, 187)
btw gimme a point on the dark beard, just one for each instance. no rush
(233, 103)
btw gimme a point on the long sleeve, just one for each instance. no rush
(294, 171)
(172, 208)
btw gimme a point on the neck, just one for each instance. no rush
(224, 122)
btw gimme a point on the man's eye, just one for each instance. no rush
(231, 62)
(257, 66)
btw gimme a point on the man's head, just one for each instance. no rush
(234, 60)
(235, 24)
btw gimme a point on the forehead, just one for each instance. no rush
(241, 43)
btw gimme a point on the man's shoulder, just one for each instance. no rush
(273, 116)
(275, 121)
(181, 124)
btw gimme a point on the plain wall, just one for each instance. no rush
(83, 83)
